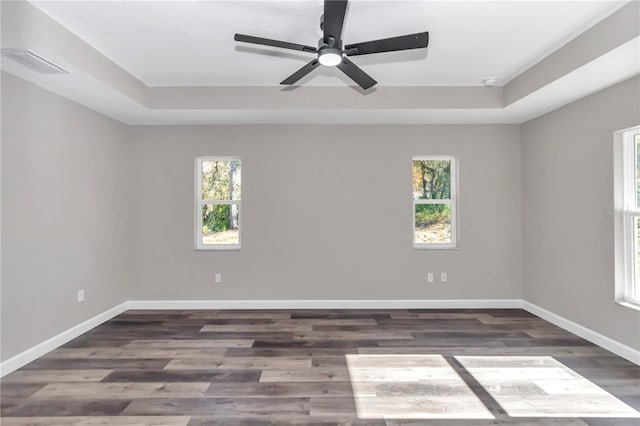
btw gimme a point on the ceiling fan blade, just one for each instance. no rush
(274, 43)
(356, 74)
(405, 42)
(301, 72)
(334, 11)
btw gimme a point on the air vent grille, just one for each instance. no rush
(33, 61)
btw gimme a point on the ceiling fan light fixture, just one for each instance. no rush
(329, 56)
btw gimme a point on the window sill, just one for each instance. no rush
(434, 247)
(629, 304)
(219, 248)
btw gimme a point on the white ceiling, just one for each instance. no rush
(190, 43)
(550, 53)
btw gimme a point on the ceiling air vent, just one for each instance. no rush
(33, 61)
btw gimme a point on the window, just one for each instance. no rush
(434, 202)
(627, 216)
(218, 203)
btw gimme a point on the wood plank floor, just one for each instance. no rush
(325, 367)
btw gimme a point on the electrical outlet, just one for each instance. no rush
(430, 277)
(80, 296)
(218, 278)
(443, 277)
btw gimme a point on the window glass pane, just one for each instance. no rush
(221, 180)
(220, 224)
(433, 224)
(431, 179)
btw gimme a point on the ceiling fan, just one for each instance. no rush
(331, 52)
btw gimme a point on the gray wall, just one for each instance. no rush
(65, 209)
(326, 213)
(567, 167)
(89, 203)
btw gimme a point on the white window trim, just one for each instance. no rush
(624, 213)
(200, 202)
(452, 203)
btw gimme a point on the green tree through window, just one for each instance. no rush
(219, 201)
(434, 210)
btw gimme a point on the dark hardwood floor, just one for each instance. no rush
(325, 367)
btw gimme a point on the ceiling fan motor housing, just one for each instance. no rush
(331, 43)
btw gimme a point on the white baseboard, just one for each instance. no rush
(329, 304)
(604, 342)
(48, 345)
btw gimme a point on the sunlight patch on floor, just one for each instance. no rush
(411, 387)
(540, 386)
